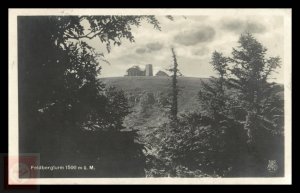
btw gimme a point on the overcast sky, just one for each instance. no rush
(194, 39)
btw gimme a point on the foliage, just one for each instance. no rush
(247, 73)
(60, 93)
(240, 129)
(213, 95)
(250, 74)
(175, 73)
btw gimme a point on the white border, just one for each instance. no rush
(13, 91)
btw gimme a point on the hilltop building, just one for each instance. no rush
(136, 71)
(161, 73)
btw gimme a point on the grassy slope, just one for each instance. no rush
(187, 97)
(187, 100)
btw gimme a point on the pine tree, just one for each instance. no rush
(212, 95)
(247, 115)
(175, 73)
(250, 75)
(263, 121)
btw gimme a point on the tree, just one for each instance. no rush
(56, 60)
(239, 132)
(251, 73)
(213, 94)
(223, 147)
(118, 107)
(216, 141)
(60, 94)
(175, 73)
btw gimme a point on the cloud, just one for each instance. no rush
(193, 37)
(140, 50)
(200, 51)
(154, 46)
(240, 26)
(198, 17)
(130, 58)
(150, 47)
(196, 38)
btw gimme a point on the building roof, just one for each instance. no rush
(161, 73)
(134, 68)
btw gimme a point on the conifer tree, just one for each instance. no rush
(175, 90)
(250, 76)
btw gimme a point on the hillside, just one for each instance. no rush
(147, 96)
(151, 83)
(189, 87)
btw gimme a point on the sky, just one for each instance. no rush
(194, 39)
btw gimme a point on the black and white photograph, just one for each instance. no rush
(150, 96)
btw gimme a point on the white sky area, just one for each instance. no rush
(194, 39)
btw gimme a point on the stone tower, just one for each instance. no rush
(149, 71)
